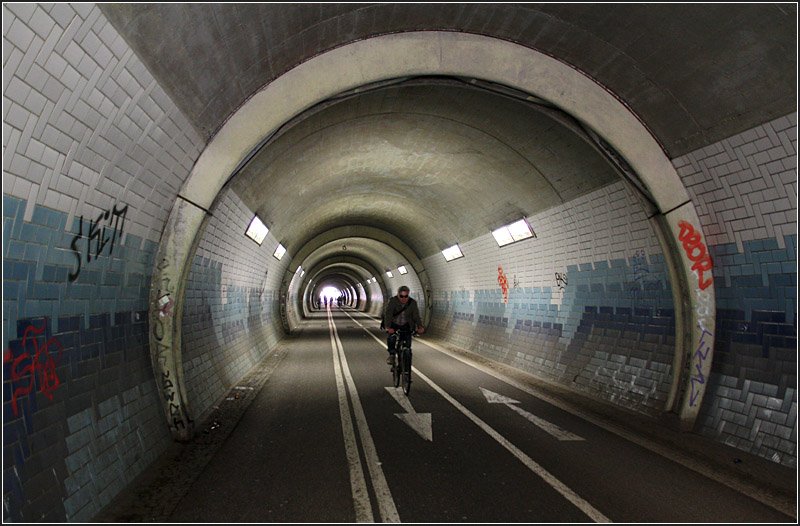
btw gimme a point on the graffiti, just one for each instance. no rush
(705, 309)
(115, 219)
(639, 263)
(164, 304)
(699, 378)
(696, 251)
(502, 280)
(263, 286)
(561, 281)
(640, 272)
(40, 365)
(516, 282)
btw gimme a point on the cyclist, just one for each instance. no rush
(399, 314)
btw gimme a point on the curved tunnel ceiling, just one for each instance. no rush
(378, 255)
(436, 164)
(432, 162)
(695, 73)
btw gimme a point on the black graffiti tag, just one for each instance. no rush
(561, 280)
(113, 218)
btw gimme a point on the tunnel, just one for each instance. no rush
(596, 200)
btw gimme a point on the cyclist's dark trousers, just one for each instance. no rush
(401, 331)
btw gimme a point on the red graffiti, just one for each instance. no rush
(41, 364)
(697, 252)
(503, 281)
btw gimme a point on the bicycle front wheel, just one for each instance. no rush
(396, 371)
(407, 373)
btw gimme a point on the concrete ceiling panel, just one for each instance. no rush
(695, 73)
(431, 163)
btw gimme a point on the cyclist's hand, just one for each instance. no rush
(390, 330)
(420, 330)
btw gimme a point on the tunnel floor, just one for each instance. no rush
(276, 450)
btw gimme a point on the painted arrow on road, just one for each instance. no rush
(422, 423)
(544, 425)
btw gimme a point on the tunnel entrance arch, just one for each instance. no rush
(350, 264)
(446, 54)
(380, 237)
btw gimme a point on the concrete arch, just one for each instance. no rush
(369, 232)
(310, 254)
(455, 54)
(347, 274)
(344, 281)
(350, 261)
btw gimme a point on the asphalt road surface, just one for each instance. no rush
(328, 439)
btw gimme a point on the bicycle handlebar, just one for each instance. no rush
(413, 332)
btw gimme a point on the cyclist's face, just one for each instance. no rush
(403, 297)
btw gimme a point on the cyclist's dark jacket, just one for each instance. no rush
(392, 308)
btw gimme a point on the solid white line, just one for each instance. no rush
(559, 486)
(383, 495)
(544, 425)
(358, 484)
(545, 475)
(787, 506)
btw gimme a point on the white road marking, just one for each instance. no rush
(544, 425)
(422, 423)
(784, 505)
(383, 495)
(358, 484)
(541, 472)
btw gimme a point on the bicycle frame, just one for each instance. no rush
(401, 370)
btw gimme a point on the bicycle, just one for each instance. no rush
(401, 366)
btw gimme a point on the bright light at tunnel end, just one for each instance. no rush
(330, 292)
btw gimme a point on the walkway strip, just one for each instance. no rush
(383, 495)
(358, 483)
(541, 472)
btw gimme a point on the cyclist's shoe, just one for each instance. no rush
(390, 360)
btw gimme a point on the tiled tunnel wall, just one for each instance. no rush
(587, 304)
(94, 155)
(592, 310)
(230, 319)
(745, 188)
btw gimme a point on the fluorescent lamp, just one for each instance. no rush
(402, 269)
(502, 236)
(516, 231)
(520, 230)
(389, 273)
(452, 253)
(279, 252)
(257, 230)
